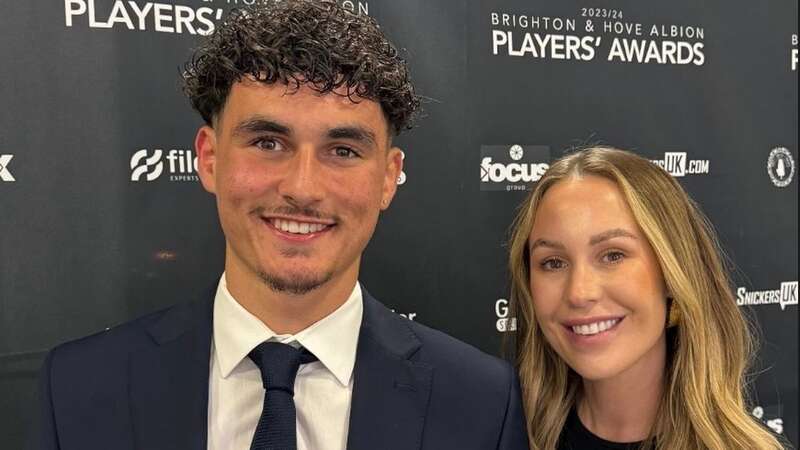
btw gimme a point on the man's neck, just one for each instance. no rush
(286, 313)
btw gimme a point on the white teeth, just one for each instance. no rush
(289, 226)
(608, 324)
(594, 328)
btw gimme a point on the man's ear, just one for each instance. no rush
(205, 144)
(394, 167)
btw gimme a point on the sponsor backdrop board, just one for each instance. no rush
(103, 218)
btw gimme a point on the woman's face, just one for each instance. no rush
(598, 292)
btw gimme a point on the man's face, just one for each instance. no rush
(300, 179)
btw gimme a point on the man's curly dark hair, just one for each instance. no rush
(316, 43)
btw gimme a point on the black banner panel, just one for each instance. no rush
(103, 218)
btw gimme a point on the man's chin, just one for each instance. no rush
(294, 284)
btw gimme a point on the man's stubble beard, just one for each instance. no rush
(295, 284)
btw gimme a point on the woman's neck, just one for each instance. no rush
(624, 408)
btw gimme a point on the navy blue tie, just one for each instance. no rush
(278, 363)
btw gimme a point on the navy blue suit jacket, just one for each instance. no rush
(144, 385)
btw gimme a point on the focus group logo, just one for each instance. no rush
(589, 32)
(180, 165)
(678, 164)
(785, 296)
(164, 17)
(780, 167)
(5, 174)
(513, 167)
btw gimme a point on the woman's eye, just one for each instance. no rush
(613, 257)
(553, 264)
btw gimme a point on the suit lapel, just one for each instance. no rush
(169, 381)
(390, 392)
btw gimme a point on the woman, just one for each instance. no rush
(628, 332)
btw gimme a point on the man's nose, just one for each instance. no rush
(584, 286)
(301, 184)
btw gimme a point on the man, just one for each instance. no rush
(301, 101)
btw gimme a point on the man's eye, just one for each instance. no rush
(268, 144)
(345, 152)
(553, 264)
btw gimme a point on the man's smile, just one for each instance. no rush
(298, 229)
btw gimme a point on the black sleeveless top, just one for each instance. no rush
(575, 436)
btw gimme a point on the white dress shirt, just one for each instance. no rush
(323, 389)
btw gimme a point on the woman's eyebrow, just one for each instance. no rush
(611, 234)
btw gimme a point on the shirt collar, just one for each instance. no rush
(333, 340)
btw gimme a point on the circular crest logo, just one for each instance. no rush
(780, 167)
(516, 152)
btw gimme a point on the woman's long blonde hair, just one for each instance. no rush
(710, 348)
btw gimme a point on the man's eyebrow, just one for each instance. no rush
(611, 234)
(354, 133)
(261, 125)
(545, 243)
